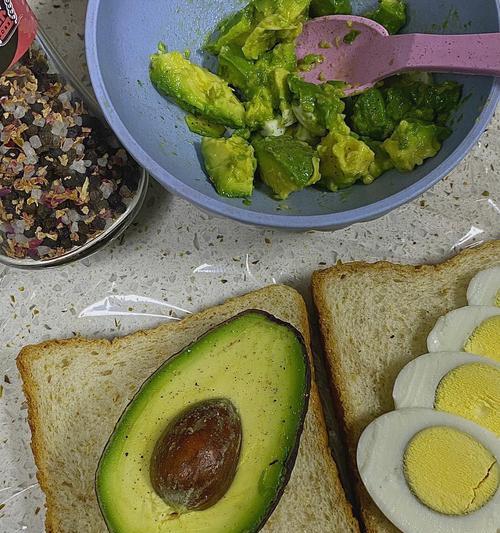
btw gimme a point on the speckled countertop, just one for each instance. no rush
(176, 259)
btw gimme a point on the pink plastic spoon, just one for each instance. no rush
(373, 54)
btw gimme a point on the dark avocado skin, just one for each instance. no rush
(289, 463)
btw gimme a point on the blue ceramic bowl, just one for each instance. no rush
(120, 36)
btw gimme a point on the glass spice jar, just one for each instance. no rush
(67, 187)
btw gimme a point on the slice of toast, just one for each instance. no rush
(374, 319)
(77, 389)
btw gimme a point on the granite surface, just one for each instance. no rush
(176, 259)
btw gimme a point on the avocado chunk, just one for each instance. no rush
(290, 9)
(267, 33)
(195, 89)
(234, 29)
(281, 95)
(382, 162)
(280, 21)
(344, 160)
(251, 370)
(281, 56)
(286, 164)
(318, 108)
(249, 76)
(239, 71)
(230, 165)
(321, 8)
(202, 126)
(412, 142)
(260, 109)
(392, 14)
(370, 118)
(409, 98)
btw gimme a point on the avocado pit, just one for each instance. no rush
(194, 462)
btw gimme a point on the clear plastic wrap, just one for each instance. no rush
(133, 305)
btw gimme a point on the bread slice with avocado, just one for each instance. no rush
(78, 388)
(374, 319)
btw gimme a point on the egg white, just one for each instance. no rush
(484, 287)
(452, 330)
(380, 455)
(417, 382)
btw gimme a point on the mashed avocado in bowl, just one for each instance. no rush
(121, 36)
(260, 121)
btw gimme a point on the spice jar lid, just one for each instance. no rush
(17, 31)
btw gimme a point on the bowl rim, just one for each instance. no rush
(280, 221)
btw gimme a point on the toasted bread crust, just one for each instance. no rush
(34, 420)
(339, 385)
(490, 248)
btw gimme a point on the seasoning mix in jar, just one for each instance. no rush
(64, 178)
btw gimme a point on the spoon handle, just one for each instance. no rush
(468, 54)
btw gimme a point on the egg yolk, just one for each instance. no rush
(485, 339)
(472, 391)
(449, 471)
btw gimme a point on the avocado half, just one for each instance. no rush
(260, 365)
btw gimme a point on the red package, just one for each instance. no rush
(17, 31)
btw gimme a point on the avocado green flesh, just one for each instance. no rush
(321, 8)
(230, 164)
(391, 14)
(234, 29)
(202, 126)
(286, 165)
(196, 89)
(260, 365)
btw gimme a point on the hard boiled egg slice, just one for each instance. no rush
(473, 329)
(459, 383)
(430, 471)
(484, 289)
